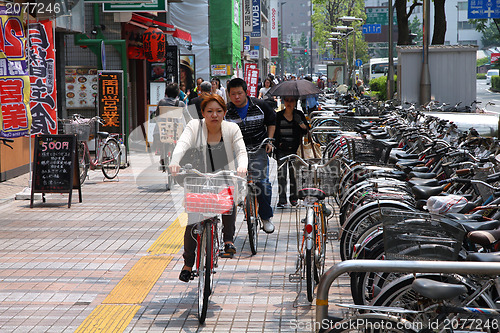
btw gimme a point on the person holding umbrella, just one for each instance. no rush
(291, 125)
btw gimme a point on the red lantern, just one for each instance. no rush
(135, 52)
(154, 44)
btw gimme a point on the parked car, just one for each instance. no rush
(490, 73)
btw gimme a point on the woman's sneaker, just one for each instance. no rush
(268, 226)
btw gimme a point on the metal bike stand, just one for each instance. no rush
(325, 129)
(396, 266)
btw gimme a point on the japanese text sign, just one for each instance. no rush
(15, 117)
(252, 79)
(111, 100)
(42, 77)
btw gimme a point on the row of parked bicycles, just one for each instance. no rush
(407, 186)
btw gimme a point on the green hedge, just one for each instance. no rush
(495, 82)
(378, 86)
(481, 76)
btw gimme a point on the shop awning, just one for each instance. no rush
(172, 30)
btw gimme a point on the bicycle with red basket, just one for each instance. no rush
(210, 195)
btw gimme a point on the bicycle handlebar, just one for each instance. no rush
(264, 142)
(306, 162)
(187, 169)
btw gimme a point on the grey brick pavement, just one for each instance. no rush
(58, 264)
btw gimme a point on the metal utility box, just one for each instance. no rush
(452, 69)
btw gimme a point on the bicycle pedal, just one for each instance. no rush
(295, 278)
(303, 221)
(333, 235)
(227, 255)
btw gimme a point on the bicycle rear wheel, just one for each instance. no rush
(252, 220)
(310, 274)
(83, 161)
(205, 252)
(111, 158)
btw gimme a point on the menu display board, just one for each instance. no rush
(81, 87)
(55, 166)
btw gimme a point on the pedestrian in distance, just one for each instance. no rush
(171, 99)
(267, 86)
(216, 88)
(256, 120)
(222, 147)
(291, 126)
(205, 89)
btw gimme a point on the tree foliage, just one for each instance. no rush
(490, 31)
(326, 15)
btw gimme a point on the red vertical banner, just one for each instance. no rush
(15, 117)
(42, 61)
(252, 79)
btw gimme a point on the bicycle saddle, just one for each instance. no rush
(472, 225)
(423, 182)
(311, 192)
(424, 192)
(103, 135)
(437, 290)
(419, 169)
(484, 237)
(403, 155)
(484, 257)
(424, 175)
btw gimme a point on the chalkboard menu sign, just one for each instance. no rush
(55, 166)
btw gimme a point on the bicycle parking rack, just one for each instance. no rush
(396, 266)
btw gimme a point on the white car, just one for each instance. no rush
(490, 73)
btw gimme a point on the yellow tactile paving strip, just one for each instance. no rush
(122, 303)
(136, 284)
(108, 318)
(172, 239)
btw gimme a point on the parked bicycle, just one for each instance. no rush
(107, 154)
(251, 205)
(211, 195)
(314, 182)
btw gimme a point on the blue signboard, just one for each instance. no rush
(372, 28)
(358, 63)
(483, 9)
(246, 43)
(255, 18)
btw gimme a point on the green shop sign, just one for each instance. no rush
(116, 1)
(125, 6)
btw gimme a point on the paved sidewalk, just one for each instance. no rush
(93, 265)
(11, 187)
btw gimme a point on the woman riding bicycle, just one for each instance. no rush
(222, 148)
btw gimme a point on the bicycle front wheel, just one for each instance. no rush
(83, 162)
(320, 243)
(111, 158)
(252, 220)
(204, 271)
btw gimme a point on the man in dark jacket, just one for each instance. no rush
(257, 122)
(205, 88)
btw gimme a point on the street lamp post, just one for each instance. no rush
(282, 58)
(352, 19)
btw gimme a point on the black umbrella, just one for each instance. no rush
(294, 88)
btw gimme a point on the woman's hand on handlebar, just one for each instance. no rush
(241, 172)
(174, 169)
